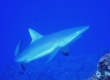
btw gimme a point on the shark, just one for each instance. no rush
(50, 45)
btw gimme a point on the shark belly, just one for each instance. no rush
(36, 51)
(42, 52)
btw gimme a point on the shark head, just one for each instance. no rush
(81, 30)
(78, 31)
(71, 34)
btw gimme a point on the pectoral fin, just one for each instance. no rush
(65, 50)
(52, 54)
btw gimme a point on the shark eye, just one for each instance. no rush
(77, 32)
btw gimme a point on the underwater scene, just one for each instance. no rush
(55, 40)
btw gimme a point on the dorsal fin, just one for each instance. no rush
(34, 35)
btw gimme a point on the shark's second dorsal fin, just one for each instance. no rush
(34, 35)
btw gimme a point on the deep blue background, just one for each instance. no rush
(47, 16)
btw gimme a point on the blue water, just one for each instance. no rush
(48, 16)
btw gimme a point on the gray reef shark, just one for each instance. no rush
(51, 44)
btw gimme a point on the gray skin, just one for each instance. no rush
(49, 45)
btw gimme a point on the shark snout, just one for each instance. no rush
(82, 29)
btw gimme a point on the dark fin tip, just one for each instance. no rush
(23, 67)
(66, 54)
